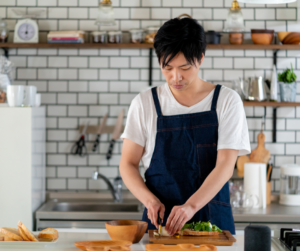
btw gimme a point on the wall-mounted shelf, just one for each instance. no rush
(272, 104)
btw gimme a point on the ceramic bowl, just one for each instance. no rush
(127, 230)
(262, 36)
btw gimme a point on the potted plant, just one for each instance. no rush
(287, 85)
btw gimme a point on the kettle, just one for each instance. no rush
(253, 88)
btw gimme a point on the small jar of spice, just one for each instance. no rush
(115, 37)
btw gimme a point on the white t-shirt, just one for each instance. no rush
(141, 120)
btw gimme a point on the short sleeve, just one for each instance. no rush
(135, 123)
(233, 129)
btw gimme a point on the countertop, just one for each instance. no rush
(66, 242)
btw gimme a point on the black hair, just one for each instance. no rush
(184, 35)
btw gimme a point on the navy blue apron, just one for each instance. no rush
(184, 155)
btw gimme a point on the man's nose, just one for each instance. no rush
(177, 76)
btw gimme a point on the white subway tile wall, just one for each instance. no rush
(78, 85)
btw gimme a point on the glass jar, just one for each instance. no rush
(3, 31)
(115, 37)
(137, 36)
(99, 37)
(150, 34)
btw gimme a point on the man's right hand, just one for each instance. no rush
(155, 208)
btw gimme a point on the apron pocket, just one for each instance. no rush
(220, 214)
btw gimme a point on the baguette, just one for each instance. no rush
(28, 233)
(48, 233)
(2, 237)
(23, 235)
(10, 234)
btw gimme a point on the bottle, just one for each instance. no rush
(273, 87)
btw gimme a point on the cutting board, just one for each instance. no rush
(85, 245)
(260, 154)
(180, 247)
(223, 239)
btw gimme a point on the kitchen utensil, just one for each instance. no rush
(79, 147)
(260, 36)
(243, 201)
(99, 132)
(15, 95)
(212, 37)
(255, 179)
(253, 89)
(159, 222)
(290, 185)
(292, 38)
(129, 230)
(260, 154)
(240, 164)
(222, 239)
(181, 247)
(116, 134)
(236, 37)
(83, 245)
(29, 96)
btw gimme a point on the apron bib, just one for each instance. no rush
(184, 155)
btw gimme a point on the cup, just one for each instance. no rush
(29, 95)
(15, 95)
(38, 100)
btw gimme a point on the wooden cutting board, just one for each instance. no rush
(223, 239)
(180, 247)
(85, 245)
(260, 154)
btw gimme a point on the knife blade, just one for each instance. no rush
(100, 130)
(159, 222)
(116, 134)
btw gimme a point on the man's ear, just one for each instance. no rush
(201, 60)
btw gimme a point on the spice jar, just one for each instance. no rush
(3, 31)
(150, 34)
(99, 37)
(137, 36)
(115, 37)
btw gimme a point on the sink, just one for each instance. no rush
(95, 207)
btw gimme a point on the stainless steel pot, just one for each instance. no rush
(253, 88)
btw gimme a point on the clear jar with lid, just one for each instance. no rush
(99, 37)
(150, 34)
(115, 37)
(137, 36)
(3, 31)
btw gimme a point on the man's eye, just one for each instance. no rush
(168, 69)
(185, 69)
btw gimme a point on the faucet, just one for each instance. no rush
(116, 189)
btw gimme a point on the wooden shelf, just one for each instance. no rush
(271, 104)
(149, 46)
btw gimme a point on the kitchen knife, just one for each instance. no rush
(116, 134)
(159, 222)
(100, 130)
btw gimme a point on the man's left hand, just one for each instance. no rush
(178, 217)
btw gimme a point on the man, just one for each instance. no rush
(188, 134)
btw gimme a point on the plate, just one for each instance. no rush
(41, 243)
(84, 244)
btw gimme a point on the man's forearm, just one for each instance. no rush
(210, 187)
(135, 183)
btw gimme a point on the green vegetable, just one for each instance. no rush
(288, 76)
(201, 226)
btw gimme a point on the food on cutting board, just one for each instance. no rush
(194, 228)
(23, 234)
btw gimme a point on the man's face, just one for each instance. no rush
(179, 73)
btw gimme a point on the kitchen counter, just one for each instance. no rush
(67, 239)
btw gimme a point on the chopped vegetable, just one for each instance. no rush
(201, 226)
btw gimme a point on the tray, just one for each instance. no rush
(28, 244)
(84, 245)
(223, 239)
(180, 247)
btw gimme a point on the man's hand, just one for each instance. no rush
(178, 217)
(153, 209)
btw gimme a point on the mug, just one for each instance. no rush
(15, 95)
(29, 95)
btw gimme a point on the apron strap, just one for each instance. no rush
(156, 101)
(215, 97)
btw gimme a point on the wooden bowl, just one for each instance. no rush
(262, 36)
(127, 230)
(236, 38)
(281, 35)
(292, 38)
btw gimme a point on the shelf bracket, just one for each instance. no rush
(150, 66)
(5, 52)
(274, 124)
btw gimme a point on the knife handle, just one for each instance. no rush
(96, 143)
(110, 149)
